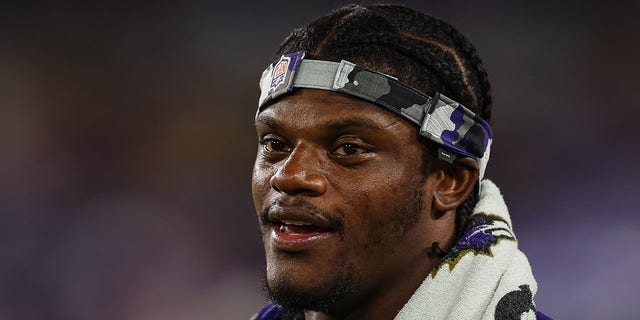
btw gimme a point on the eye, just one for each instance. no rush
(349, 149)
(273, 145)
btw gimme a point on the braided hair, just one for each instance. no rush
(420, 50)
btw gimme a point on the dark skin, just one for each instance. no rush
(353, 173)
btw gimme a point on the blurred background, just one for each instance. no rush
(127, 142)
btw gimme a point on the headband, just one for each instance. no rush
(452, 126)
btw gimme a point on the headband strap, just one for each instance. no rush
(441, 119)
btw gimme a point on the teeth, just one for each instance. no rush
(296, 223)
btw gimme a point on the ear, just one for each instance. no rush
(454, 183)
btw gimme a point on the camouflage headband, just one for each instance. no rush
(441, 119)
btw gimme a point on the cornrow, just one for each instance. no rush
(416, 23)
(414, 47)
(475, 66)
(422, 51)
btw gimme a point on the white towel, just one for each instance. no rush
(485, 276)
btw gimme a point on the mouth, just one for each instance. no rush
(292, 227)
(295, 230)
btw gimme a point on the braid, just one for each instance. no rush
(411, 51)
(476, 67)
(422, 51)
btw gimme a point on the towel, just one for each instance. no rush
(484, 276)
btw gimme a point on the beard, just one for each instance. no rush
(295, 300)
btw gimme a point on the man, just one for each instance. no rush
(368, 182)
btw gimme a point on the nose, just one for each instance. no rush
(300, 174)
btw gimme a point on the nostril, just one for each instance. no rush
(275, 180)
(301, 183)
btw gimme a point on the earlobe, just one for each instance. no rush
(454, 183)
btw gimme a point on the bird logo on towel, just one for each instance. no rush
(514, 304)
(484, 231)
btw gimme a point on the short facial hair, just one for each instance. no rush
(294, 302)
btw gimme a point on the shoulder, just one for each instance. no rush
(271, 311)
(542, 316)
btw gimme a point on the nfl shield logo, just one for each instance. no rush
(280, 72)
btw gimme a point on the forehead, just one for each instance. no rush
(309, 108)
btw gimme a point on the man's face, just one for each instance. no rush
(341, 194)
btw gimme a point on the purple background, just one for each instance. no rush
(127, 143)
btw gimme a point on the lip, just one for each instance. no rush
(295, 242)
(298, 228)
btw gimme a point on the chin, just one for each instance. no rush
(296, 291)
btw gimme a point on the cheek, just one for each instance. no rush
(378, 191)
(260, 183)
(378, 204)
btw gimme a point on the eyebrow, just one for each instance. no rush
(268, 121)
(332, 125)
(358, 122)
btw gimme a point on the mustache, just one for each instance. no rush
(336, 221)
